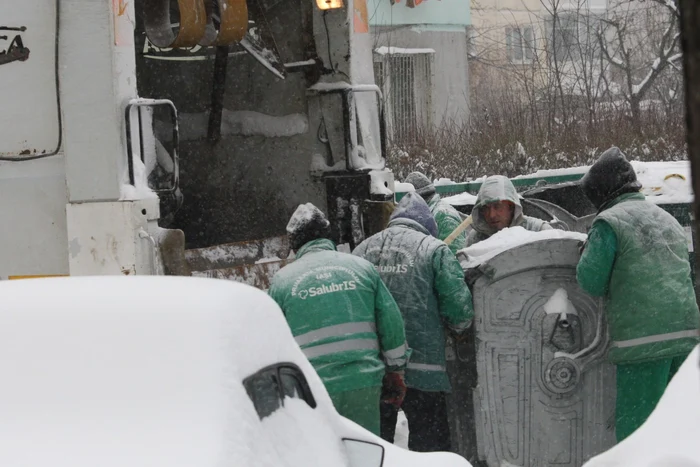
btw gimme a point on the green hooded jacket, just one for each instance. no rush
(499, 188)
(427, 282)
(636, 256)
(448, 219)
(342, 316)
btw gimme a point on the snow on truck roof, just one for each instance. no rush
(138, 371)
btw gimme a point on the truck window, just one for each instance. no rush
(268, 387)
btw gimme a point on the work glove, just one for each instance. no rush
(393, 388)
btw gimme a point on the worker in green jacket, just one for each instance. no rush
(446, 216)
(498, 207)
(427, 282)
(636, 256)
(343, 318)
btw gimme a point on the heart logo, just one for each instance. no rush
(303, 294)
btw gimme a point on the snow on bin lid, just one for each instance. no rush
(670, 435)
(662, 182)
(510, 238)
(462, 199)
(665, 182)
(137, 371)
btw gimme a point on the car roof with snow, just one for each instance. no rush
(116, 371)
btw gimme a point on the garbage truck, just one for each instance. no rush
(133, 130)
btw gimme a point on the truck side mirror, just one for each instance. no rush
(363, 453)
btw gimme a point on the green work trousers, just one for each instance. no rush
(361, 406)
(639, 388)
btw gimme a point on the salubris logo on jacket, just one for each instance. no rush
(326, 289)
(335, 274)
(396, 269)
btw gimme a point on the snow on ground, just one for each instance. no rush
(401, 435)
(510, 238)
(671, 435)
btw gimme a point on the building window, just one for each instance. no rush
(405, 78)
(563, 36)
(573, 36)
(520, 44)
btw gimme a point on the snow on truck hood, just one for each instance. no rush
(671, 435)
(138, 371)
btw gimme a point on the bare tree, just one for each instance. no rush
(638, 52)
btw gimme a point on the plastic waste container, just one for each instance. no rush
(531, 387)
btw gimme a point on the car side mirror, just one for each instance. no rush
(363, 453)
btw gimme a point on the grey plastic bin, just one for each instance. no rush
(541, 393)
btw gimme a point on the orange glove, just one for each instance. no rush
(393, 389)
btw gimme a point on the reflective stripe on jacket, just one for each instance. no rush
(342, 316)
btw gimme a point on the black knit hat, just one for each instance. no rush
(611, 176)
(306, 224)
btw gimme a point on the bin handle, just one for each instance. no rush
(585, 356)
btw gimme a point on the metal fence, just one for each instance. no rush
(406, 83)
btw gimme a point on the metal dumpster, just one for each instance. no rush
(531, 387)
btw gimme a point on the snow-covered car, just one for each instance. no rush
(671, 435)
(166, 371)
